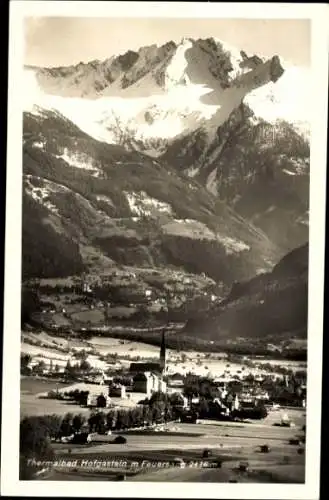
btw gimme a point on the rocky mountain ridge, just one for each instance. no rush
(187, 104)
(155, 161)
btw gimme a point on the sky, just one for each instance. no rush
(61, 41)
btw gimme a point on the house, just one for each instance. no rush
(145, 382)
(178, 400)
(98, 400)
(220, 382)
(176, 380)
(44, 366)
(174, 390)
(246, 398)
(144, 367)
(86, 288)
(148, 382)
(162, 385)
(236, 403)
(117, 391)
(220, 404)
(262, 396)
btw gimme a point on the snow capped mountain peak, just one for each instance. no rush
(165, 92)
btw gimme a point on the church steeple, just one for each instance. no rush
(163, 353)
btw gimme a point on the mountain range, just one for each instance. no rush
(164, 159)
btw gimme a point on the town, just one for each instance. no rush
(93, 406)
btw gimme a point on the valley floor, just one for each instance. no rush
(231, 443)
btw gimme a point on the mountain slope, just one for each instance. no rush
(158, 180)
(270, 306)
(259, 169)
(227, 119)
(127, 208)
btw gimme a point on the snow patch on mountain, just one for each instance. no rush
(303, 219)
(178, 64)
(142, 204)
(192, 171)
(211, 183)
(39, 144)
(105, 199)
(79, 160)
(191, 228)
(41, 193)
(233, 245)
(288, 172)
(289, 98)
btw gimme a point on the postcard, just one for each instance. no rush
(165, 236)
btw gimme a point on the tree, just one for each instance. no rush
(203, 407)
(101, 401)
(34, 444)
(77, 422)
(66, 428)
(70, 371)
(39, 368)
(25, 361)
(168, 412)
(147, 417)
(250, 378)
(121, 130)
(158, 396)
(97, 422)
(52, 424)
(158, 411)
(110, 419)
(82, 355)
(85, 366)
(30, 303)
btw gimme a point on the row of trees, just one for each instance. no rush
(195, 386)
(71, 370)
(37, 432)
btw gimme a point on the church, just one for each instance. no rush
(157, 368)
(148, 377)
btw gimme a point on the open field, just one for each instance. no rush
(52, 341)
(34, 402)
(216, 436)
(34, 385)
(108, 345)
(214, 364)
(230, 443)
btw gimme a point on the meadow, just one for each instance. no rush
(232, 444)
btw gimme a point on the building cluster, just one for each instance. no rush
(143, 379)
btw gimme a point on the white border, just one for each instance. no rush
(10, 484)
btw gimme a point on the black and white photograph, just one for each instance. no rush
(166, 169)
